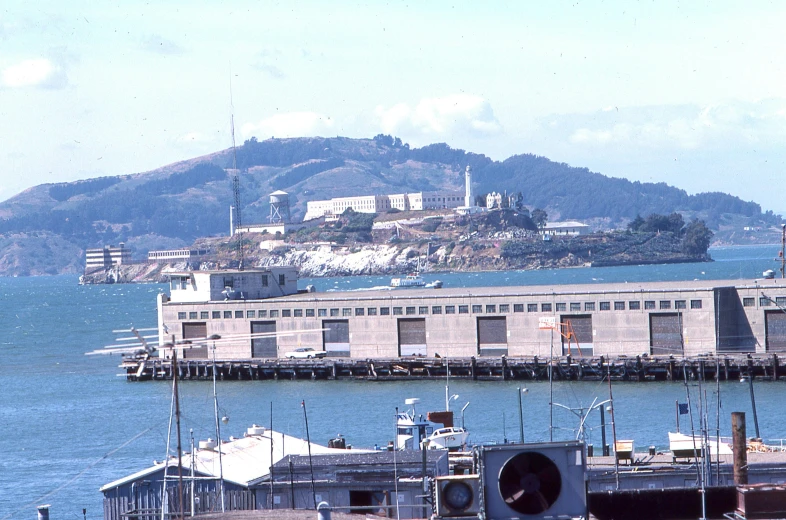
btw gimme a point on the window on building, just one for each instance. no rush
(545, 307)
(665, 305)
(532, 307)
(227, 314)
(286, 313)
(322, 313)
(780, 301)
(398, 311)
(504, 308)
(477, 309)
(619, 306)
(560, 307)
(264, 280)
(384, 311)
(216, 315)
(239, 314)
(410, 311)
(181, 315)
(250, 314)
(423, 309)
(680, 304)
(309, 313)
(463, 309)
(575, 306)
(634, 305)
(262, 314)
(298, 313)
(748, 302)
(360, 311)
(204, 315)
(274, 314)
(436, 309)
(346, 311)
(334, 312)
(450, 309)
(605, 306)
(229, 282)
(649, 304)
(518, 307)
(491, 308)
(589, 306)
(282, 280)
(371, 311)
(192, 315)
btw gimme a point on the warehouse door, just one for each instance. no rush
(194, 334)
(492, 336)
(577, 339)
(412, 337)
(776, 331)
(666, 334)
(265, 346)
(335, 337)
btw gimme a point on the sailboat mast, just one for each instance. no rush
(179, 445)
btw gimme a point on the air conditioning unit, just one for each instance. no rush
(457, 496)
(545, 480)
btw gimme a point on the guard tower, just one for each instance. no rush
(279, 207)
(468, 187)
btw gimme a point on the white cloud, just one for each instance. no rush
(39, 72)
(440, 117)
(292, 124)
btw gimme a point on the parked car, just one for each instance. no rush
(305, 353)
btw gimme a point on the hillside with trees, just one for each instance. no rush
(179, 203)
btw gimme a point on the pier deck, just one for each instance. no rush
(567, 368)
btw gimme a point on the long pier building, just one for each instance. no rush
(260, 313)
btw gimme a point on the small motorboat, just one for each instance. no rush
(435, 431)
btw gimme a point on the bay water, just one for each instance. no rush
(70, 424)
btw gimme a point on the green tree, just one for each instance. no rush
(539, 217)
(697, 238)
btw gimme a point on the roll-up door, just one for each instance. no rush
(776, 331)
(265, 346)
(492, 336)
(666, 334)
(335, 337)
(196, 332)
(412, 337)
(577, 339)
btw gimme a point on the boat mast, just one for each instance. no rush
(218, 425)
(179, 445)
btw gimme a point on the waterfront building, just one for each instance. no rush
(570, 227)
(177, 255)
(107, 256)
(333, 208)
(686, 318)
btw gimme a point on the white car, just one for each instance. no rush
(305, 353)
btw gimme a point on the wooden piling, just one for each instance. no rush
(740, 448)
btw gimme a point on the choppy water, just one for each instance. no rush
(70, 424)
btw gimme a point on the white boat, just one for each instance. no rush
(686, 446)
(411, 280)
(435, 431)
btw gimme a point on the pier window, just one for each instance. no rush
(282, 280)
(360, 311)
(397, 311)
(410, 311)
(436, 309)
(518, 307)
(264, 346)
(346, 311)
(575, 306)
(264, 280)
(780, 301)
(412, 337)
(286, 313)
(181, 315)
(619, 306)
(250, 314)
(216, 315)
(680, 304)
(605, 306)
(384, 311)
(589, 306)
(748, 302)
(504, 308)
(634, 305)
(532, 307)
(239, 314)
(227, 315)
(463, 309)
(560, 307)
(491, 309)
(477, 309)
(298, 313)
(309, 313)
(322, 313)
(334, 312)
(274, 314)
(450, 309)
(695, 304)
(649, 304)
(371, 311)
(193, 315)
(545, 307)
(262, 314)
(423, 309)
(665, 305)
(335, 337)
(229, 282)
(204, 315)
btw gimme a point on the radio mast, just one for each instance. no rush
(235, 180)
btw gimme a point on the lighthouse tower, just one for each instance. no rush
(468, 199)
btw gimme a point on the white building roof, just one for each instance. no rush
(566, 224)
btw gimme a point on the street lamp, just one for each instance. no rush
(462, 413)
(521, 413)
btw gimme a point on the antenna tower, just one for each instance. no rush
(235, 180)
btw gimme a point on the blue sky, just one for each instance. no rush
(687, 93)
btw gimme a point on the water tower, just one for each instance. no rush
(279, 207)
